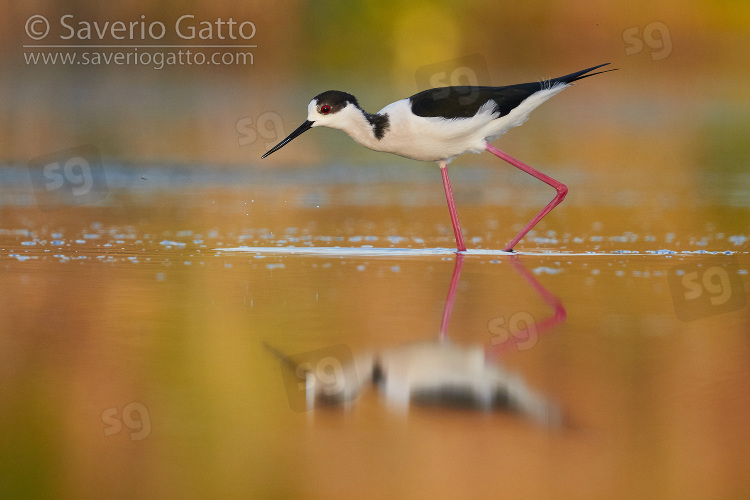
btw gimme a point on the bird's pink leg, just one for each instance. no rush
(452, 207)
(561, 189)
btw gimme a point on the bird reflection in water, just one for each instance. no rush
(438, 373)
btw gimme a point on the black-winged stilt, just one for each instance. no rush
(440, 124)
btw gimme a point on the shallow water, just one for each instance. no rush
(311, 333)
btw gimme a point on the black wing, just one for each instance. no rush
(465, 101)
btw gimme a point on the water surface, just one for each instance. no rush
(164, 340)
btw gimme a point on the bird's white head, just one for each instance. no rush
(333, 108)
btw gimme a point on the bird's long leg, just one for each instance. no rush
(452, 207)
(561, 189)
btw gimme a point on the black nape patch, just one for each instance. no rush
(379, 124)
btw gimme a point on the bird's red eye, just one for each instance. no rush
(325, 109)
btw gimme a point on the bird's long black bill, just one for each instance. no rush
(302, 128)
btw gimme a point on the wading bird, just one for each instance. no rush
(440, 124)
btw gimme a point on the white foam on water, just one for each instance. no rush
(369, 251)
(364, 251)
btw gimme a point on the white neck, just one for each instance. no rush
(353, 121)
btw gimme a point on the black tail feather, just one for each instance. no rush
(580, 75)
